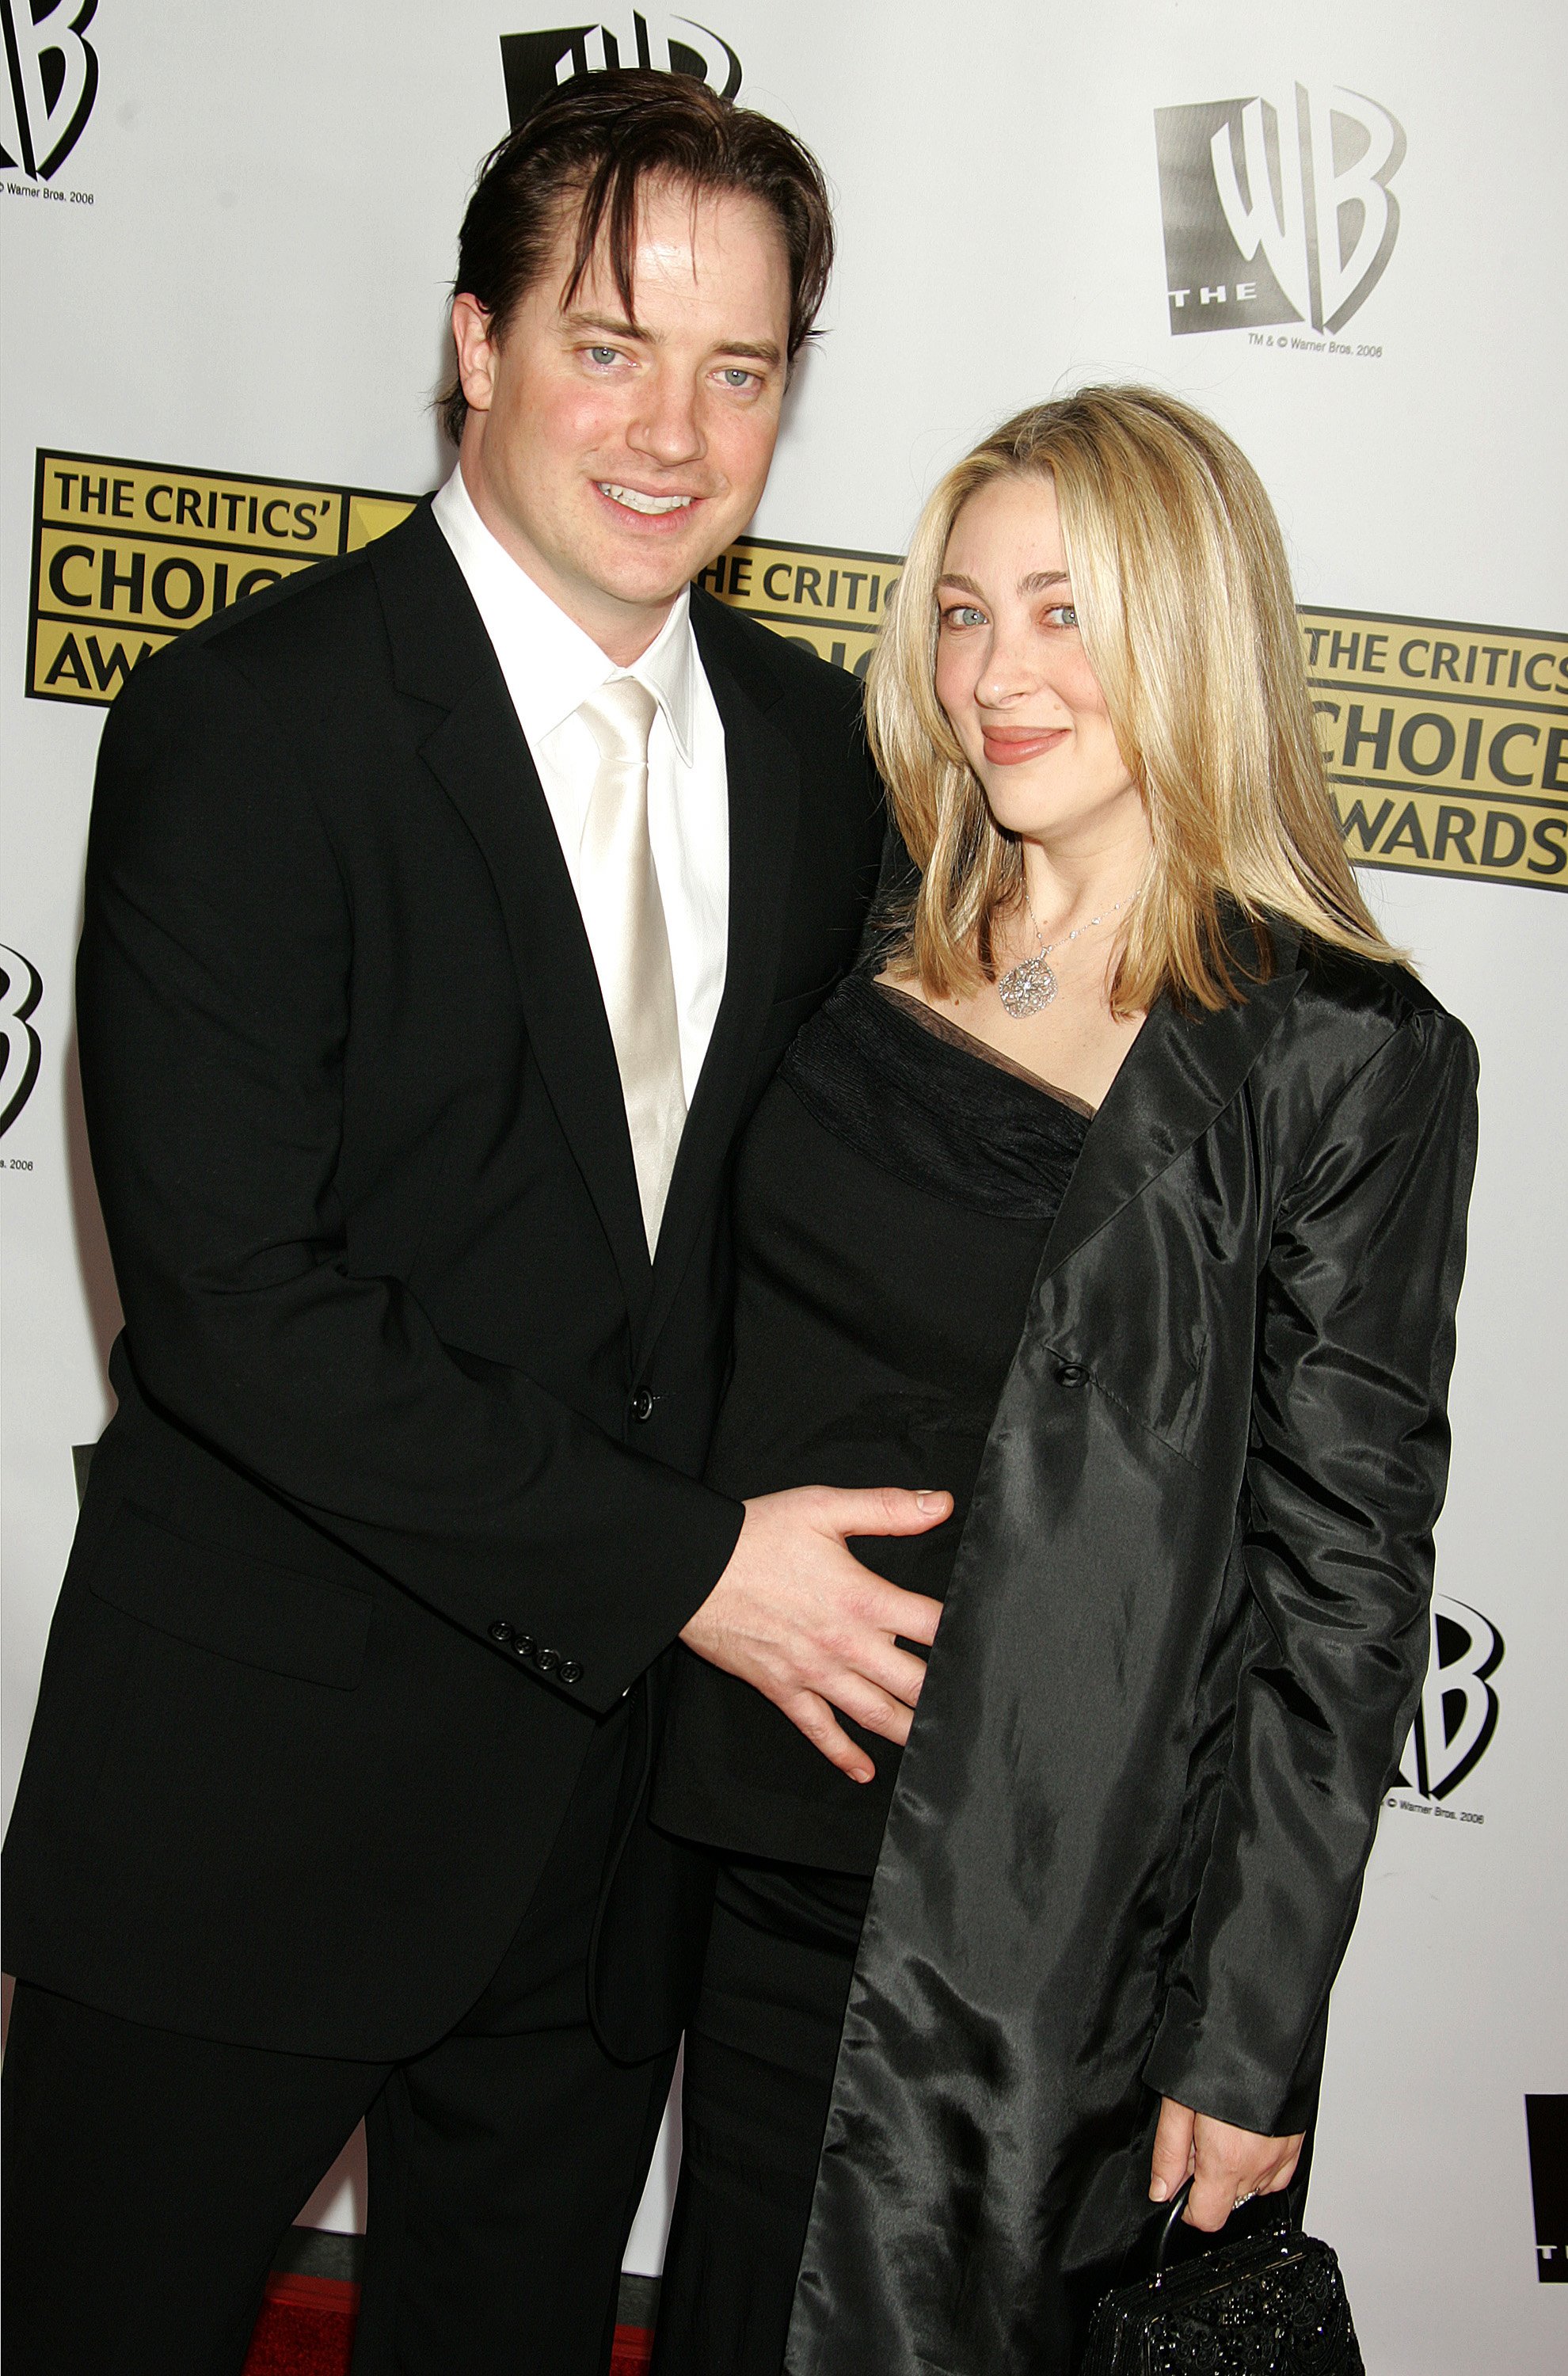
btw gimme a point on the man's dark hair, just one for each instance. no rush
(592, 143)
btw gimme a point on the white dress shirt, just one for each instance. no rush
(550, 666)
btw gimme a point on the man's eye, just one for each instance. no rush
(604, 356)
(734, 375)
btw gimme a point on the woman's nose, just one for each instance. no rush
(1010, 673)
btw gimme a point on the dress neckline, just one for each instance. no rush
(939, 1026)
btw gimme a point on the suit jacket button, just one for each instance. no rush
(547, 1661)
(570, 1671)
(523, 1645)
(501, 1632)
(1069, 1373)
(642, 1404)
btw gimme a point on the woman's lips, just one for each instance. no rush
(1009, 746)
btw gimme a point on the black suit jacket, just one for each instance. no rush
(402, 1489)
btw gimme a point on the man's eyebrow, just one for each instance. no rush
(615, 323)
(761, 351)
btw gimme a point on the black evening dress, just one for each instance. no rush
(893, 1193)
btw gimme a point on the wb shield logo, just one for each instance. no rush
(47, 95)
(1458, 1712)
(1277, 213)
(536, 63)
(21, 1051)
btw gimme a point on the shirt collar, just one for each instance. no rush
(550, 664)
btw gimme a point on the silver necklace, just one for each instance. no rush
(1026, 988)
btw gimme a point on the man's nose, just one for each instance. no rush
(666, 427)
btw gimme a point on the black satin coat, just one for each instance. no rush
(1183, 1642)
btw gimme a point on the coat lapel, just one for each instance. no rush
(1181, 1070)
(478, 755)
(763, 772)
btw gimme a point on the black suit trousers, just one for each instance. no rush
(151, 2175)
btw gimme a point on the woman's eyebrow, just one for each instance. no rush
(1039, 581)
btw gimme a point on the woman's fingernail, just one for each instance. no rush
(1158, 2190)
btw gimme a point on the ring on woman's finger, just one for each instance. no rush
(1242, 2200)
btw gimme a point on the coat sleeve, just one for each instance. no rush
(213, 1005)
(1345, 1473)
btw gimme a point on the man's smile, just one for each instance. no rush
(634, 499)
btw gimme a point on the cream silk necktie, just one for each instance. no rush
(631, 943)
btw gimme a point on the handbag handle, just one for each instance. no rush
(1168, 2229)
(1168, 2226)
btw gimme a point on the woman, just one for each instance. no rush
(1122, 1196)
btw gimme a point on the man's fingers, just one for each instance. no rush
(882, 1509)
(1172, 2156)
(890, 1672)
(912, 1616)
(815, 1720)
(870, 1709)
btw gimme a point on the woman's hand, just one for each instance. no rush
(1227, 2165)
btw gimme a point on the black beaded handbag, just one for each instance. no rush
(1268, 2304)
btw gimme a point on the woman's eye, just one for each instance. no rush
(963, 615)
(1063, 613)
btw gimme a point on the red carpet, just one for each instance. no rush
(306, 2328)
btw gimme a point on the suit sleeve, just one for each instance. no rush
(1345, 1474)
(214, 992)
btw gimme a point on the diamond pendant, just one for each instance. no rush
(1027, 988)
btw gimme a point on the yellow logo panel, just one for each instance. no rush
(126, 555)
(1447, 746)
(829, 600)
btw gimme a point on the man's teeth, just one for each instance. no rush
(640, 503)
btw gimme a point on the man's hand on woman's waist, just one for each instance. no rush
(796, 1615)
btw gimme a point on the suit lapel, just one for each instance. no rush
(478, 755)
(1181, 1070)
(763, 772)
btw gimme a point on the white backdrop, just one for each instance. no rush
(239, 266)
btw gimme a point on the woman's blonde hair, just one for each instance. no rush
(1183, 596)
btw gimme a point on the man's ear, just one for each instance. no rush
(476, 355)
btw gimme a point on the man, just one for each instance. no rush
(447, 913)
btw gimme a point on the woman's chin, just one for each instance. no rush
(1060, 814)
(1026, 811)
